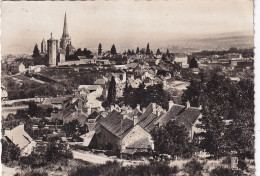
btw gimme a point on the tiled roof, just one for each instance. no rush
(113, 124)
(19, 137)
(148, 118)
(93, 115)
(184, 116)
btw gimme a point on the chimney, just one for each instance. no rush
(170, 104)
(187, 105)
(7, 131)
(135, 120)
(154, 108)
(143, 110)
(138, 106)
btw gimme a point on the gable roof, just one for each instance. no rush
(148, 118)
(116, 124)
(185, 116)
(19, 137)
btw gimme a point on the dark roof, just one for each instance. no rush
(113, 124)
(148, 118)
(185, 116)
(93, 115)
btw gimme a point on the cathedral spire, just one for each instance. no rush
(65, 27)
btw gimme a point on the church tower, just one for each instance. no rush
(52, 51)
(43, 46)
(65, 43)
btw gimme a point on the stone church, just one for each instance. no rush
(58, 51)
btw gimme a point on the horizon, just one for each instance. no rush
(26, 23)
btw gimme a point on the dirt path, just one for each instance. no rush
(98, 159)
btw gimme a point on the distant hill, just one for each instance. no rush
(216, 43)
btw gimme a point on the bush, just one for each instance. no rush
(220, 171)
(194, 167)
(116, 169)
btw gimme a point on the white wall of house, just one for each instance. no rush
(136, 134)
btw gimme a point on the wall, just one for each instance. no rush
(137, 134)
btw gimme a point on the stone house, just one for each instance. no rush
(17, 67)
(120, 133)
(19, 137)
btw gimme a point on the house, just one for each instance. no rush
(119, 75)
(17, 67)
(181, 59)
(184, 115)
(4, 93)
(134, 82)
(36, 68)
(119, 133)
(19, 137)
(87, 89)
(56, 102)
(150, 115)
(87, 138)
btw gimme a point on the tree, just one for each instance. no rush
(222, 100)
(10, 152)
(158, 52)
(148, 52)
(172, 139)
(193, 63)
(113, 50)
(111, 97)
(193, 93)
(85, 51)
(79, 52)
(137, 50)
(36, 51)
(99, 49)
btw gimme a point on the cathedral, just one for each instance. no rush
(58, 51)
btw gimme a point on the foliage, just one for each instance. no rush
(137, 50)
(222, 100)
(172, 139)
(148, 52)
(193, 63)
(99, 49)
(10, 152)
(36, 51)
(158, 52)
(111, 97)
(245, 52)
(113, 50)
(220, 171)
(74, 128)
(194, 167)
(115, 168)
(145, 95)
(192, 94)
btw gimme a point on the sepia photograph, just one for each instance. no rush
(127, 88)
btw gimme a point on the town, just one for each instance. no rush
(139, 107)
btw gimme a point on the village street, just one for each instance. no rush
(99, 159)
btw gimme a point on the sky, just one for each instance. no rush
(123, 23)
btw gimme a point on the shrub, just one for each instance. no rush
(116, 169)
(194, 167)
(220, 171)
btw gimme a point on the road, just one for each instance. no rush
(99, 159)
